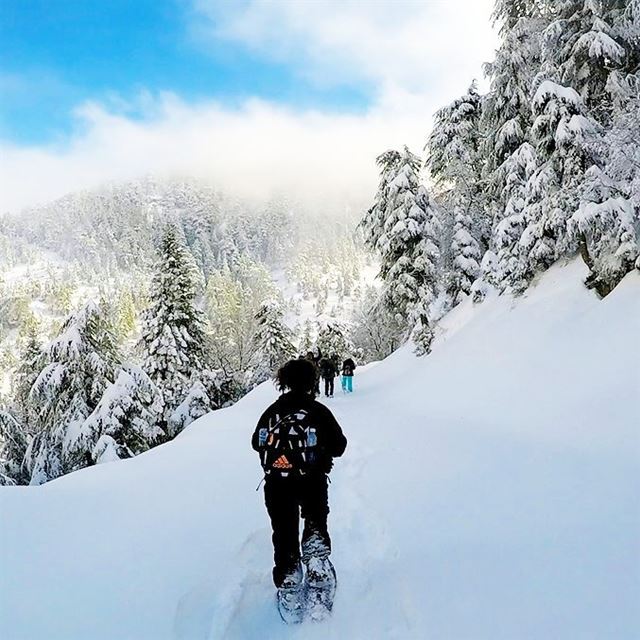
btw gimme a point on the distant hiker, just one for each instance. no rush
(328, 371)
(297, 439)
(315, 360)
(348, 367)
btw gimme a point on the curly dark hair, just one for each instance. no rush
(298, 376)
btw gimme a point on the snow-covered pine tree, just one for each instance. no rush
(623, 143)
(75, 368)
(25, 375)
(199, 222)
(455, 164)
(14, 443)
(273, 341)
(277, 231)
(307, 336)
(609, 229)
(506, 122)
(125, 314)
(587, 49)
(222, 389)
(333, 339)
(173, 343)
(582, 47)
(562, 132)
(233, 298)
(407, 244)
(372, 224)
(514, 173)
(376, 332)
(125, 421)
(607, 222)
(506, 109)
(196, 404)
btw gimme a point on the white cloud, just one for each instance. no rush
(419, 46)
(416, 56)
(251, 151)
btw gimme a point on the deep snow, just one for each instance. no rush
(489, 491)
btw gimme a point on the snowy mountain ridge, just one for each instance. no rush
(480, 496)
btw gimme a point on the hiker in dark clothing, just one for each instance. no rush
(315, 360)
(296, 478)
(328, 371)
(348, 367)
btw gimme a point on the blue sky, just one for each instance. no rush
(55, 54)
(254, 96)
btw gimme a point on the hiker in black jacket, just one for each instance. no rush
(328, 371)
(297, 439)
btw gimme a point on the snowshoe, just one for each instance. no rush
(321, 588)
(291, 598)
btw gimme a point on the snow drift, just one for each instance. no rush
(489, 490)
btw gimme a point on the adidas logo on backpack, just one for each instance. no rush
(288, 445)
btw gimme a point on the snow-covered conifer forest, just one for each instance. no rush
(131, 310)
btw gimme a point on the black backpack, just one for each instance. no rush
(289, 445)
(347, 367)
(326, 368)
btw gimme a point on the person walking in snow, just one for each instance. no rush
(297, 439)
(328, 371)
(315, 360)
(348, 367)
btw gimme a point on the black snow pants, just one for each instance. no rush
(328, 386)
(286, 499)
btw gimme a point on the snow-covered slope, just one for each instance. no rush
(489, 490)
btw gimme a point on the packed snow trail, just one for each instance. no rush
(488, 491)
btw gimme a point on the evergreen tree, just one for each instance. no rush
(173, 341)
(376, 332)
(25, 376)
(307, 337)
(124, 422)
(14, 443)
(588, 46)
(506, 121)
(75, 368)
(407, 243)
(582, 49)
(273, 341)
(333, 339)
(196, 404)
(515, 173)
(233, 298)
(125, 311)
(506, 110)
(561, 132)
(606, 223)
(221, 390)
(372, 225)
(454, 162)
